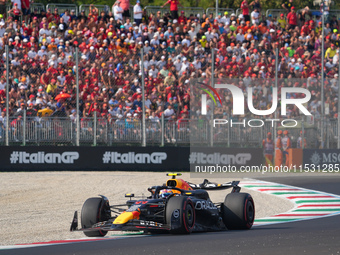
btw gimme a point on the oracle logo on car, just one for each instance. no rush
(203, 205)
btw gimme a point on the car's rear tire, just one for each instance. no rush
(181, 210)
(238, 211)
(94, 210)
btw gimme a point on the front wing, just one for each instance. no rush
(132, 225)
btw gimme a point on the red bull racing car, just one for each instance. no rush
(177, 207)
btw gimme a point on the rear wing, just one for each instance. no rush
(207, 185)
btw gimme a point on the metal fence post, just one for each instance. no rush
(36, 132)
(216, 9)
(77, 99)
(72, 133)
(95, 130)
(229, 135)
(338, 127)
(24, 129)
(303, 133)
(322, 75)
(276, 81)
(213, 106)
(162, 130)
(107, 132)
(7, 96)
(175, 132)
(262, 136)
(143, 99)
(328, 130)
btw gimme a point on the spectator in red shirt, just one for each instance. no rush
(245, 10)
(95, 108)
(125, 5)
(182, 18)
(173, 8)
(292, 18)
(306, 28)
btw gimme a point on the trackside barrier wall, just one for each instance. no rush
(42, 158)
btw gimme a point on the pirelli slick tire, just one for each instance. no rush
(238, 211)
(94, 210)
(180, 214)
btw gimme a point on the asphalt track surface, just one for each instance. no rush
(320, 236)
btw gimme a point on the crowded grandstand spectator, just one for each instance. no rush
(137, 13)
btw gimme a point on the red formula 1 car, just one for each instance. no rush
(177, 207)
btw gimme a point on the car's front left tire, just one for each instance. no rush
(94, 210)
(238, 211)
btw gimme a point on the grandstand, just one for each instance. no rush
(44, 73)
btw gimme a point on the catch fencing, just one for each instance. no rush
(220, 11)
(99, 131)
(154, 9)
(311, 13)
(63, 7)
(187, 10)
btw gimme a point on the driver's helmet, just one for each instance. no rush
(165, 193)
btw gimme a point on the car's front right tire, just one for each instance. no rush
(181, 211)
